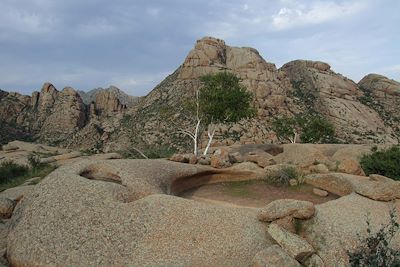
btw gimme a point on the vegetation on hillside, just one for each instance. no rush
(312, 129)
(13, 174)
(385, 162)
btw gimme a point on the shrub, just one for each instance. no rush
(375, 250)
(313, 129)
(284, 175)
(34, 161)
(10, 170)
(385, 162)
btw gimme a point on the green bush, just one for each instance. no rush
(10, 170)
(384, 162)
(284, 175)
(312, 129)
(375, 250)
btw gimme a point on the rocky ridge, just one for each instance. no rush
(361, 113)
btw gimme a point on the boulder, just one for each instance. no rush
(6, 207)
(320, 192)
(261, 158)
(274, 256)
(341, 225)
(319, 168)
(286, 207)
(184, 158)
(235, 157)
(350, 166)
(337, 183)
(383, 191)
(118, 213)
(295, 246)
(220, 159)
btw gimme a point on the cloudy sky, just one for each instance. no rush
(134, 44)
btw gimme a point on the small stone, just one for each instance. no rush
(274, 256)
(293, 182)
(320, 192)
(286, 207)
(294, 245)
(6, 207)
(351, 166)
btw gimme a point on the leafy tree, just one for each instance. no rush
(221, 99)
(285, 128)
(317, 129)
(313, 128)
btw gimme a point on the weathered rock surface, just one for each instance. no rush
(383, 95)
(337, 98)
(345, 184)
(16, 193)
(340, 225)
(314, 261)
(286, 207)
(294, 245)
(274, 256)
(120, 215)
(6, 207)
(124, 99)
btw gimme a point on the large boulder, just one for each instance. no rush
(286, 207)
(340, 225)
(117, 213)
(344, 184)
(294, 245)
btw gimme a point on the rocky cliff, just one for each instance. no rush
(124, 99)
(56, 117)
(337, 98)
(361, 113)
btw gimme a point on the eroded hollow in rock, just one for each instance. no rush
(101, 173)
(253, 193)
(207, 177)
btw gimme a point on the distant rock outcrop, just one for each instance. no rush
(383, 95)
(336, 97)
(124, 99)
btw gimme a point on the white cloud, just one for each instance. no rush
(24, 21)
(295, 15)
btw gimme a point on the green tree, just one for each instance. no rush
(317, 129)
(285, 128)
(313, 129)
(221, 99)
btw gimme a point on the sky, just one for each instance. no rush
(135, 44)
